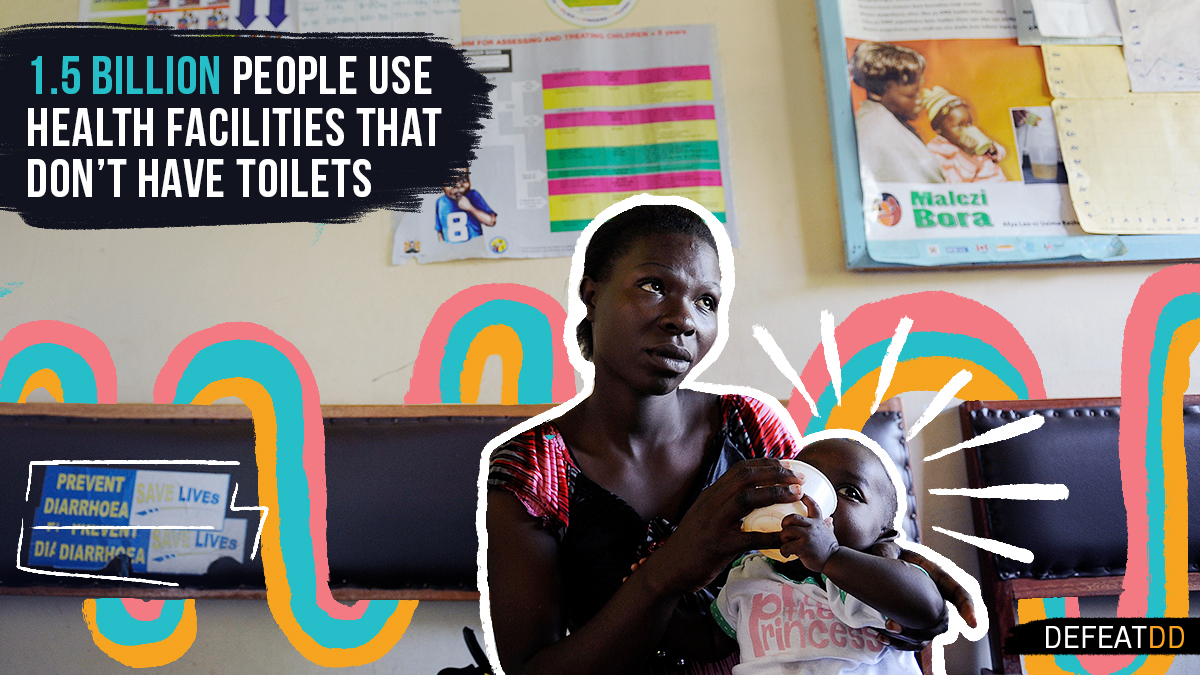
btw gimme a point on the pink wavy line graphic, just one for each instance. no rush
(143, 610)
(1160, 289)
(314, 438)
(423, 386)
(81, 341)
(930, 311)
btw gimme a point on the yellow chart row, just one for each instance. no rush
(586, 206)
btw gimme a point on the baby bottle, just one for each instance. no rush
(770, 518)
(978, 141)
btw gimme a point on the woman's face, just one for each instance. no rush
(655, 317)
(903, 100)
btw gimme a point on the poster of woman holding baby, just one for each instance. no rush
(958, 154)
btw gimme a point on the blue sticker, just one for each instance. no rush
(92, 504)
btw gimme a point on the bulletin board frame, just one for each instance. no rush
(1139, 248)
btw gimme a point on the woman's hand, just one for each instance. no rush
(710, 535)
(950, 589)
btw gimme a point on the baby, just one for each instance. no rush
(966, 154)
(815, 613)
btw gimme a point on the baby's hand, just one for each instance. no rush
(464, 203)
(811, 539)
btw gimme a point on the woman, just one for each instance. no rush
(582, 576)
(889, 149)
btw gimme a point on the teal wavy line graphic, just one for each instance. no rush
(920, 345)
(533, 330)
(74, 372)
(272, 369)
(117, 625)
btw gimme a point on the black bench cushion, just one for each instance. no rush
(1084, 535)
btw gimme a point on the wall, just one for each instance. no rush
(358, 321)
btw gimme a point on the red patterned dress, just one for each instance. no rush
(599, 535)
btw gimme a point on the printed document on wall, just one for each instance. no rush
(927, 19)
(258, 15)
(1077, 18)
(1030, 33)
(1134, 158)
(439, 17)
(1162, 51)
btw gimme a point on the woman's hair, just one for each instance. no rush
(618, 234)
(877, 65)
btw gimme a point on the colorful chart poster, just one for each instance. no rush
(616, 141)
(581, 120)
(88, 515)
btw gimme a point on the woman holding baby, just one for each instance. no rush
(610, 527)
(889, 149)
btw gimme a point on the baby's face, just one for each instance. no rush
(865, 508)
(903, 100)
(954, 125)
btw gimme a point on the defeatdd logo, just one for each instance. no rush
(887, 210)
(952, 209)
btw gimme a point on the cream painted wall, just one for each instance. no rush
(358, 320)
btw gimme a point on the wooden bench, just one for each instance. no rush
(1079, 544)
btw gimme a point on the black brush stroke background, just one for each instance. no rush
(398, 175)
